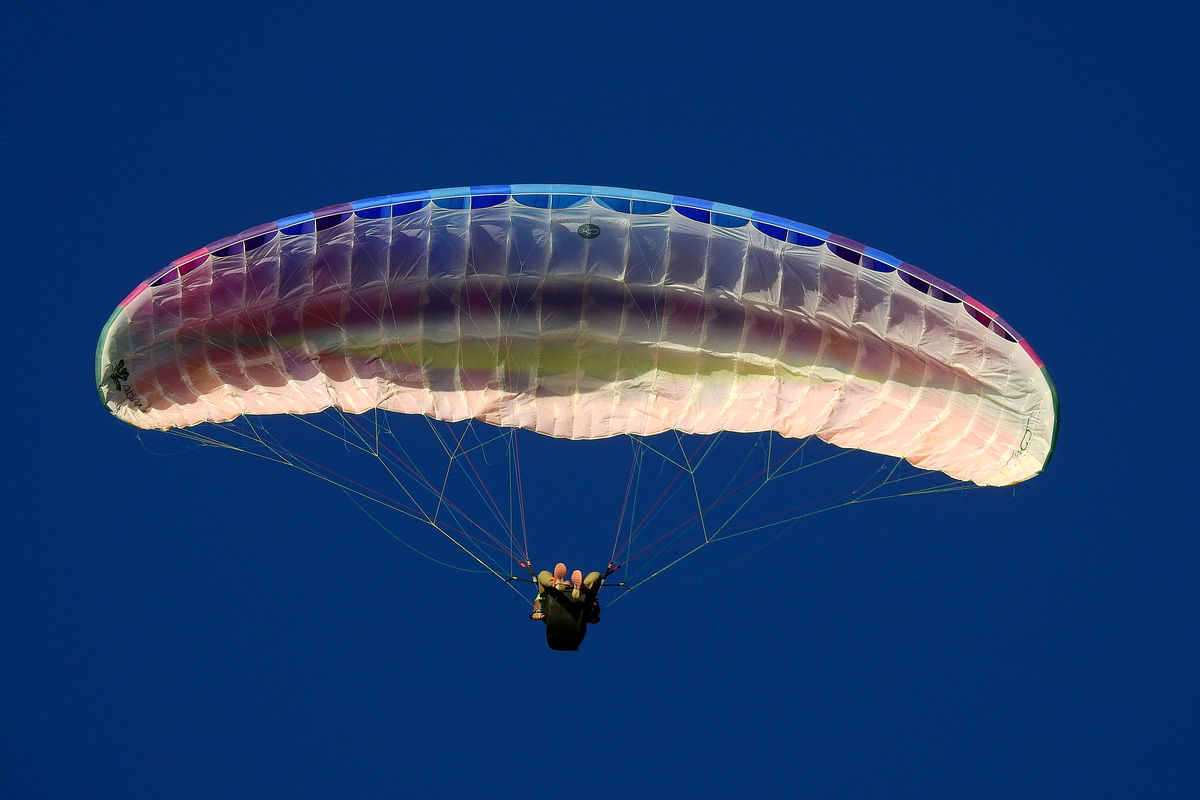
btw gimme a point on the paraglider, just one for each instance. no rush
(582, 312)
(567, 607)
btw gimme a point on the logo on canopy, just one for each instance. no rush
(119, 373)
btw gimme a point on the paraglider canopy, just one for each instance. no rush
(582, 312)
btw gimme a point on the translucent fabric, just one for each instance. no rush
(582, 312)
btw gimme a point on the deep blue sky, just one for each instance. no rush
(195, 624)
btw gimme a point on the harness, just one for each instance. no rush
(567, 617)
